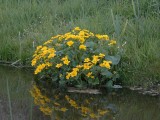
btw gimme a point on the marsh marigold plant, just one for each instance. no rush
(77, 58)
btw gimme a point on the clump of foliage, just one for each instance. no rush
(78, 58)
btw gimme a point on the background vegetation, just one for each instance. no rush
(134, 23)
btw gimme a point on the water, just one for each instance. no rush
(17, 103)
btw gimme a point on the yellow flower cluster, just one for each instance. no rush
(88, 64)
(73, 54)
(102, 37)
(43, 52)
(77, 34)
(73, 73)
(41, 67)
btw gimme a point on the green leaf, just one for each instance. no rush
(94, 81)
(106, 73)
(115, 59)
(90, 44)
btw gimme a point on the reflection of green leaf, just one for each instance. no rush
(115, 59)
(109, 84)
(62, 83)
(82, 85)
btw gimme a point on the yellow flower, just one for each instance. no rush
(48, 64)
(66, 62)
(73, 73)
(49, 41)
(75, 69)
(39, 68)
(102, 37)
(77, 28)
(59, 65)
(82, 40)
(68, 76)
(106, 64)
(101, 55)
(33, 62)
(70, 43)
(38, 47)
(79, 66)
(64, 58)
(54, 37)
(82, 47)
(95, 59)
(112, 42)
(89, 74)
(87, 60)
(51, 55)
(87, 66)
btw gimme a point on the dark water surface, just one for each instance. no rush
(20, 99)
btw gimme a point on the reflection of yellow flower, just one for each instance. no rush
(57, 104)
(82, 47)
(46, 110)
(85, 110)
(70, 43)
(102, 112)
(63, 109)
(92, 115)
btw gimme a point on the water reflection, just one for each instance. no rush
(111, 105)
(65, 105)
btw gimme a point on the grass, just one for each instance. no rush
(26, 24)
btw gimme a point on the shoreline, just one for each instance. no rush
(153, 90)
